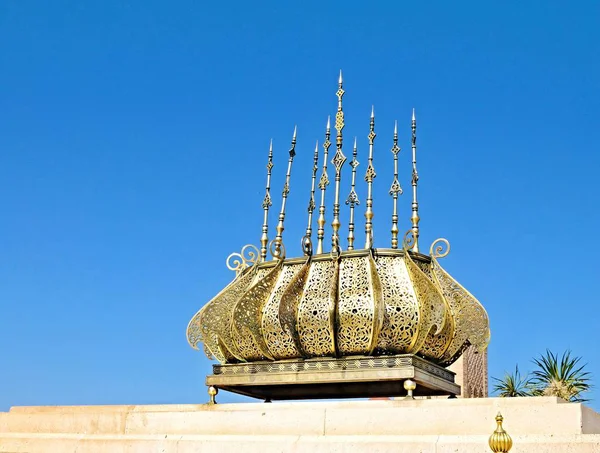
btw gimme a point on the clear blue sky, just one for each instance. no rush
(133, 138)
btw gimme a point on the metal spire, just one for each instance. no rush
(415, 179)
(338, 161)
(395, 189)
(307, 243)
(323, 183)
(369, 176)
(286, 190)
(352, 198)
(267, 203)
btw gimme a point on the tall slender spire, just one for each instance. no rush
(267, 203)
(307, 242)
(338, 161)
(369, 176)
(286, 190)
(415, 179)
(323, 183)
(352, 198)
(395, 189)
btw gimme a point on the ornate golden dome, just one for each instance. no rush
(367, 302)
(363, 302)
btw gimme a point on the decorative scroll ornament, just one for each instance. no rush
(238, 262)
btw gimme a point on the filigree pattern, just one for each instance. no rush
(360, 306)
(471, 319)
(436, 345)
(316, 311)
(432, 308)
(401, 306)
(289, 305)
(213, 321)
(280, 343)
(247, 316)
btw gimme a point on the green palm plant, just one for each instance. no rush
(563, 377)
(513, 384)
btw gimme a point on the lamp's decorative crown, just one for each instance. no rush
(371, 301)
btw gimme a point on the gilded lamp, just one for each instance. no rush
(334, 308)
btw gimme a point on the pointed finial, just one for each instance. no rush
(369, 176)
(295, 130)
(267, 203)
(338, 161)
(415, 179)
(323, 183)
(395, 189)
(500, 441)
(352, 199)
(278, 243)
(307, 241)
(340, 80)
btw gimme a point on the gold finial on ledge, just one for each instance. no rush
(415, 179)
(395, 189)
(500, 441)
(352, 198)
(323, 183)
(267, 203)
(369, 176)
(307, 241)
(286, 190)
(338, 161)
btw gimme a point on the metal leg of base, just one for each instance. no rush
(212, 392)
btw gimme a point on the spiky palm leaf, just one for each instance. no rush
(562, 377)
(512, 385)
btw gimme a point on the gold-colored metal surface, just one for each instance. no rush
(338, 162)
(307, 240)
(401, 306)
(432, 314)
(500, 441)
(360, 306)
(352, 199)
(323, 183)
(284, 195)
(414, 181)
(212, 324)
(279, 341)
(267, 203)
(212, 393)
(289, 305)
(371, 302)
(238, 262)
(395, 189)
(369, 176)
(316, 311)
(248, 312)
(471, 323)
